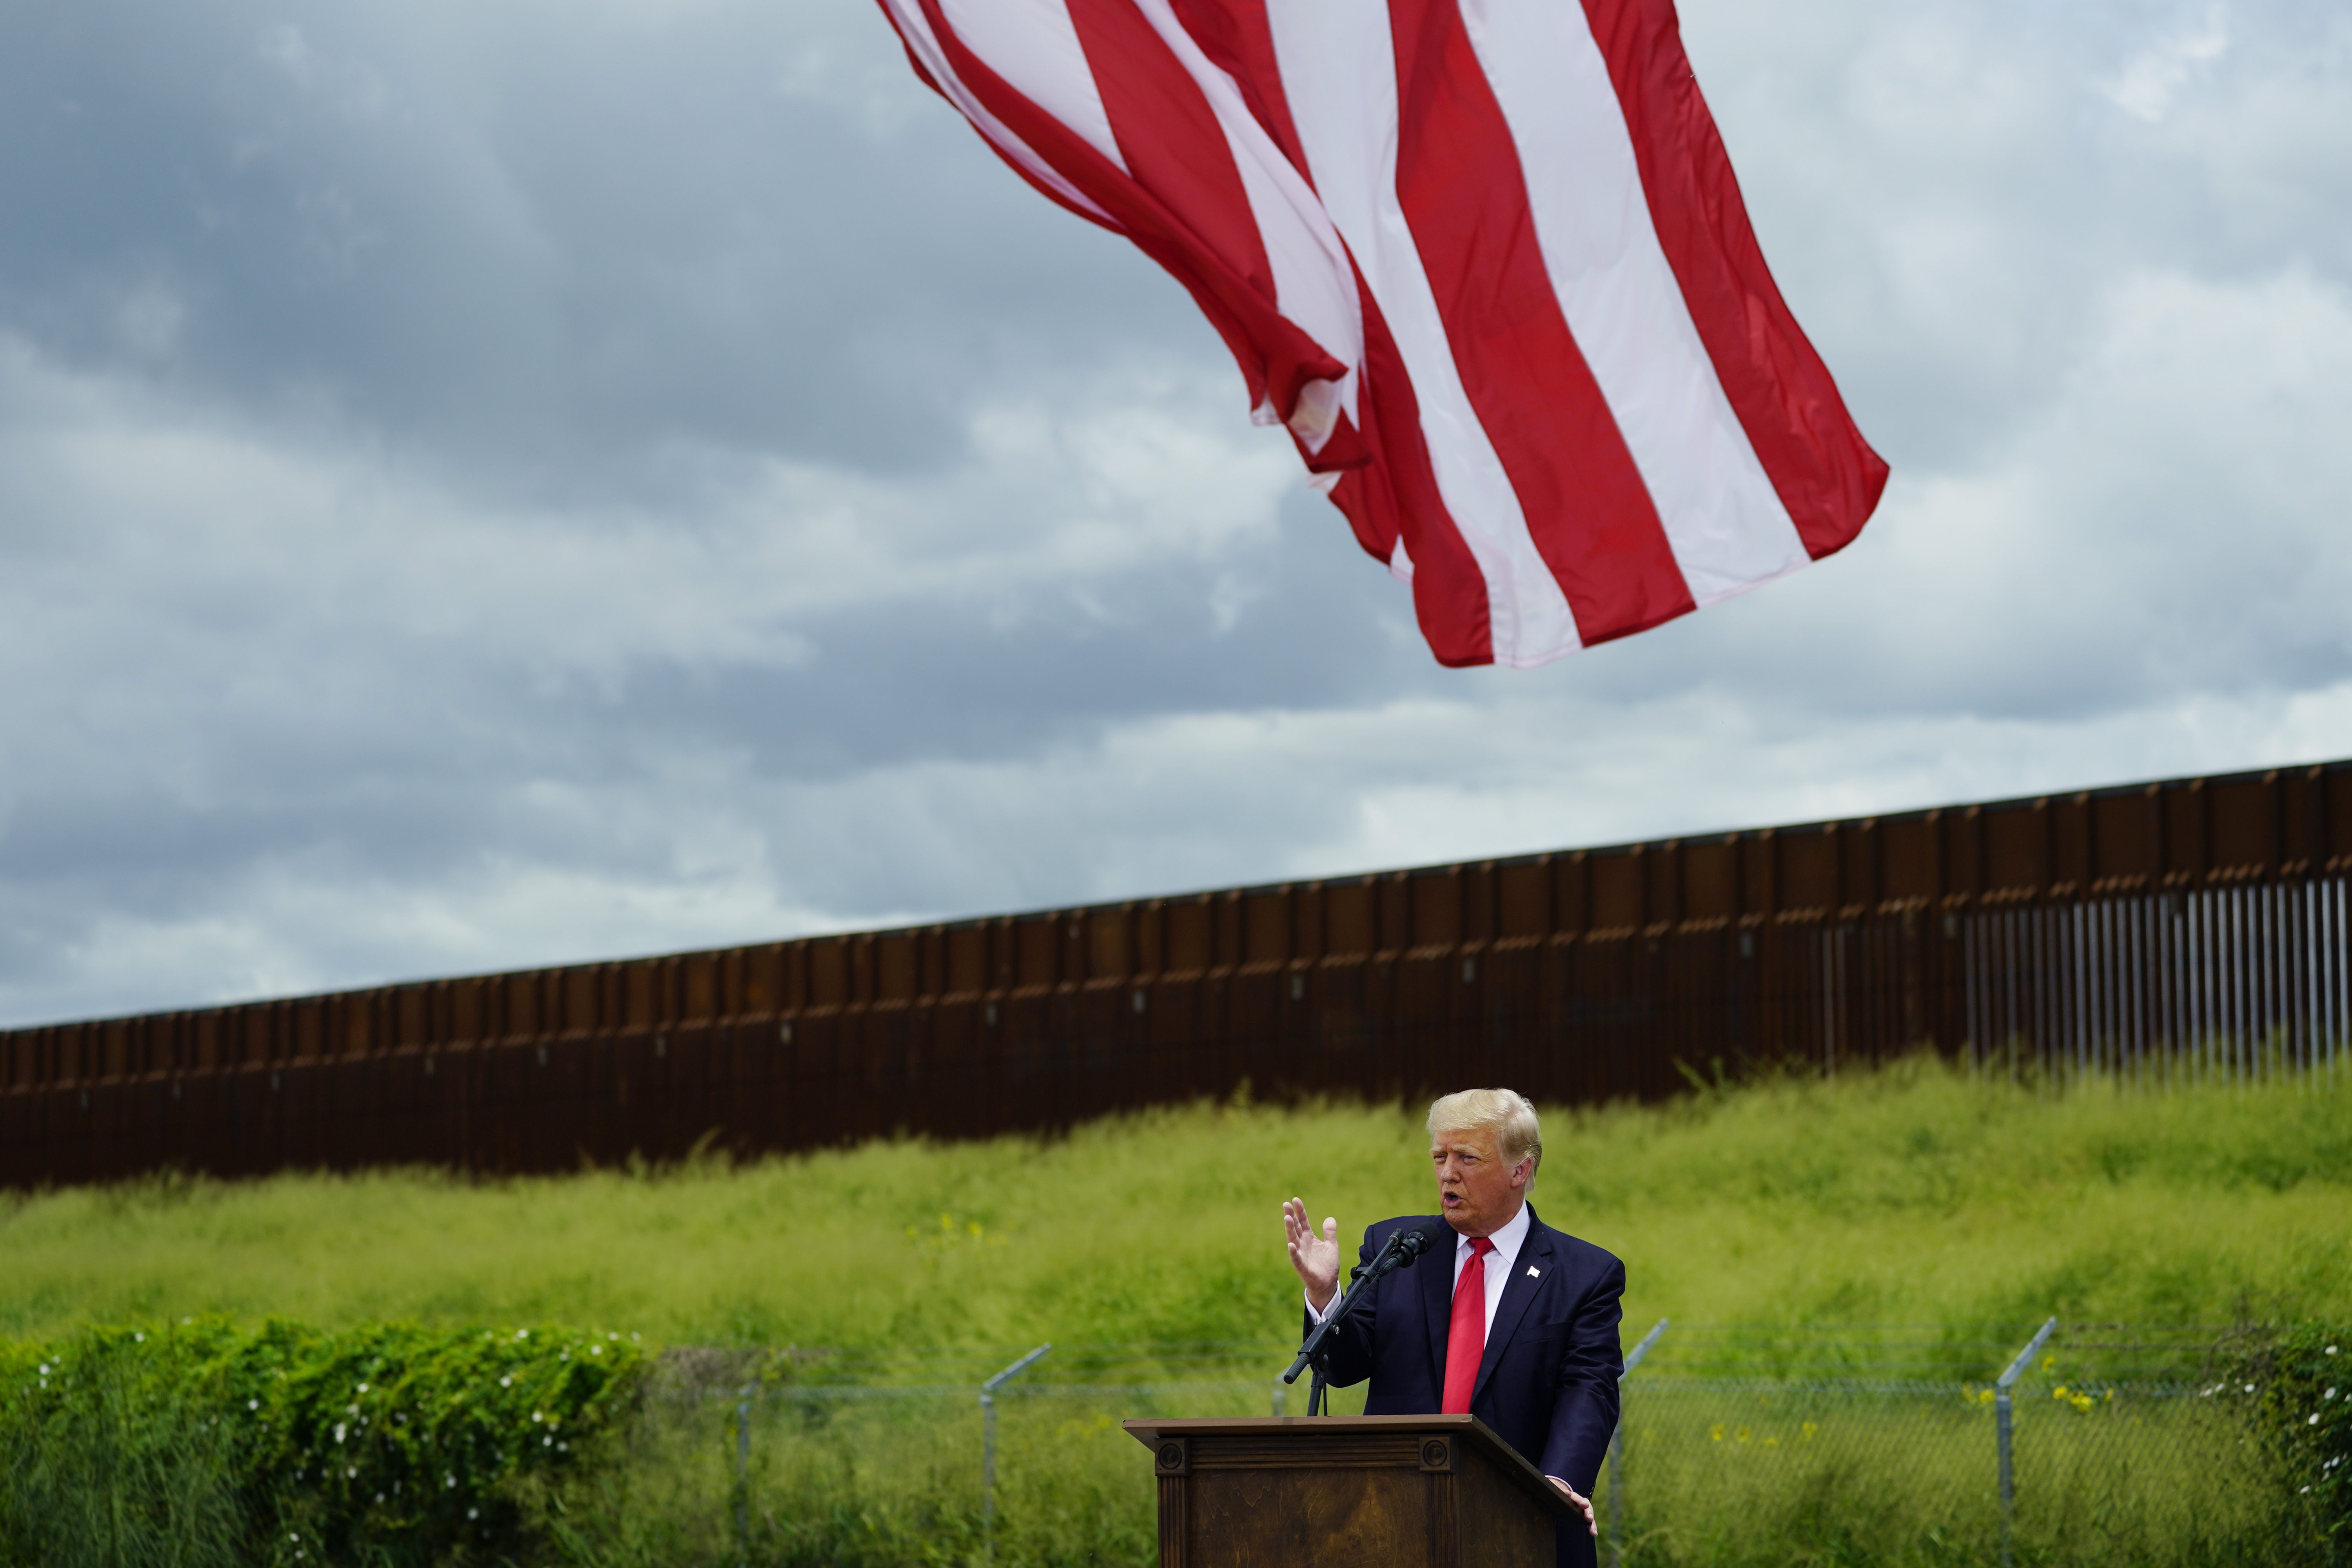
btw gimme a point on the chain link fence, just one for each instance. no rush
(1735, 1446)
(1865, 1448)
(767, 1458)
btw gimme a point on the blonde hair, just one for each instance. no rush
(1507, 1112)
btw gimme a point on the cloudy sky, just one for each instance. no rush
(495, 484)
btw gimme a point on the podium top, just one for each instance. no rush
(1306, 1431)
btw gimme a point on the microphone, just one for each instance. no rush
(1420, 1236)
(1404, 1245)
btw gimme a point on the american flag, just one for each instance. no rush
(1485, 259)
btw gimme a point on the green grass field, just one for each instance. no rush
(1909, 1195)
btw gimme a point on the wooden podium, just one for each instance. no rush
(1394, 1490)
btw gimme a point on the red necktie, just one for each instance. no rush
(1465, 1335)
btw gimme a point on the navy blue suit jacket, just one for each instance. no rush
(1548, 1381)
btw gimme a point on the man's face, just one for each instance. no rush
(1476, 1191)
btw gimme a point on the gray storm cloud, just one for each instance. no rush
(491, 486)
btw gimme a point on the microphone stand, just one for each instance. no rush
(1394, 1255)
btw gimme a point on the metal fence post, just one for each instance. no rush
(1617, 1449)
(2001, 1425)
(988, 1449)
(743, 1475)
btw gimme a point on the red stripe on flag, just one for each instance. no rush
(1395, 492)
(1170, 136)
(1449, 593)
(1464, 198)
(1236, 38)
(1010, 161)
(1821, 468)
(1276, 358)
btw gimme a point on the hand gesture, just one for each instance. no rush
(1317, 1258)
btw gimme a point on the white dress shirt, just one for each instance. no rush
(1508, 1242)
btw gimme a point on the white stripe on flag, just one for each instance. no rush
(1727, 527)
(1034, 46)
(1338, 70)
(916, 29)
(1314, 285)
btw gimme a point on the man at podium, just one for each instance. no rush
(1514, 1323)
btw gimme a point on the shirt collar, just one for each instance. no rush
(1508, 1240)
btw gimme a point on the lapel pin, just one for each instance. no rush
(1534, 1272)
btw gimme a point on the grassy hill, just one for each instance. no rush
(1147, 1248)
(1909, 1195)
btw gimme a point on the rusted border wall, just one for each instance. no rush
(2196, 925)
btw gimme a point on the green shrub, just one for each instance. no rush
(200, 1443)
(2301, 1385)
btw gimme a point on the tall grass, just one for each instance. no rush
(133, 1474)
(854, 1483)
(1733, 1473)
(1911, 1194)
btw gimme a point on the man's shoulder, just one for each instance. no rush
(1574, 1250)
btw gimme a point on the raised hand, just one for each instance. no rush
(1317, 1258)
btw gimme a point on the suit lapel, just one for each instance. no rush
(1435, 1269)
(1518, 1291)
